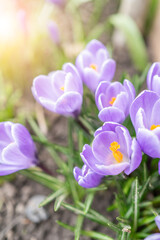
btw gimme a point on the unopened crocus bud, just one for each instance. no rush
(86, 177)
(57, 2)
(17, 149)
(54, 32)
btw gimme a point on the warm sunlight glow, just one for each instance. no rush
(7, 27)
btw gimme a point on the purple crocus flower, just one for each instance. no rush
(113, 151)
(113, 100)
(60, 92)
(86, 177)
(94, 65)
(145, 117)
(54, 32)
(155, 236)
(157, 220)
(17, 150)
(153, 78)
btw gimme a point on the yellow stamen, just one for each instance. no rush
(113, 99)
(93, 66)
(116, 154)
(62, 88)
(154, 126)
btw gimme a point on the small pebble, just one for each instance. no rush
(33, 212)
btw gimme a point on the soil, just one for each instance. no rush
(14, 196)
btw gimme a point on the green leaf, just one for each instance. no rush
(59, 200)
(37, 175)
(88, 202)
(77, 230)
(52, 196)
(91, 234)
(93, 215)
(144, 188)
(135, 201)
(133, 37)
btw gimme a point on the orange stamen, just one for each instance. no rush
(116, 154)
(93, 66)
(62, 89)
(113, 99)
(154, 126)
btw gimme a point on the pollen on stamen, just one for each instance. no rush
(154, 127)
(113, 99)
(62, 89)
(93, 66)
(116, 154)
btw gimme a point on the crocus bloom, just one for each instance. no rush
(95, 65)
(145, 117)
(86, 177)
(113, 151)
(153, 78)
(157, 220)
(113, 100)
(54, 32)
(155, 236)
(17, 150)
(60, 92)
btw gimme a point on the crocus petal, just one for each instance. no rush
(157, 220)
(145, 100)
(155, 236)
(121, 101)
(101, 89)
(12, 156)
(76, 80)
(42, 87)
(154, 70)
(23, 139)
(108, 70)
(91, 78)
(156, 84)
(130, 90)
(136, 157)
(48, 104)
(101, 147)
(85, 59)
(94, 45)
(101, 56)
(5, 132)
(68, 103)
(155, 118)
(89, 179)
(111, 114)
(107, 126)
(149, 143)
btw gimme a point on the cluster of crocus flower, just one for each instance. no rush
(113, 150)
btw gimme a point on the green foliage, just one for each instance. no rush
(133, 37)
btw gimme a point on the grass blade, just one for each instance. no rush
(133, 37)
(91, 234)
(135, 201)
